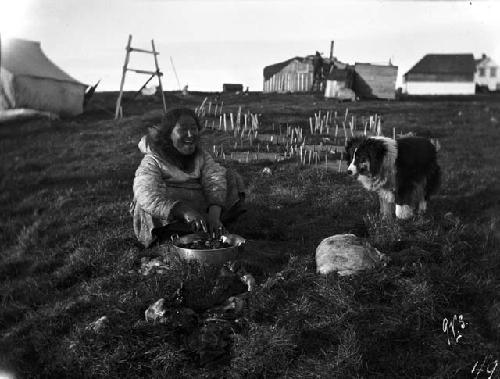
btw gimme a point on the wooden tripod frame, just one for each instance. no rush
(158, 73)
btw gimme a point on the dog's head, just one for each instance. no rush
(351, 146)
(365, 156)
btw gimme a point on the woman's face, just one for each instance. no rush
(185, 135)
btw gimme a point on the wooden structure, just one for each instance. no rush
(375, 81)
(296, 74)
(292, 75)
(339, 84)
(157, 73)
(229, 87)
(441, 74)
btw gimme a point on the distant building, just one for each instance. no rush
(441, 74)
(296, 74)
(340, 79)
(375, 81)
(292, 75)
(487, 73)
(227, 87)
(339, 84)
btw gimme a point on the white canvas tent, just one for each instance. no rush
(29, 79)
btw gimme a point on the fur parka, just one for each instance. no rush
(159, 185)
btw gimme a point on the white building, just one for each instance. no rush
(487, 73)
(441, 74)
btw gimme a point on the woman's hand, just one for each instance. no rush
(191, 217)
(214, 223)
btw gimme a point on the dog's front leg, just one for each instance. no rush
(404, 198)
(404, 211)
(386, 199)
(422, 206)
(386, 207)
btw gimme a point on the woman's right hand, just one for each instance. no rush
(191, 217)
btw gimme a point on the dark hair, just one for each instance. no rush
(159, 137)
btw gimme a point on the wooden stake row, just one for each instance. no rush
(329, 123)
(304, 155)
(207, 108)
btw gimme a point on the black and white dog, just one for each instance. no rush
(403, 171)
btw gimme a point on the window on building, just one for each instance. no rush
(493, 72)
(481, 71)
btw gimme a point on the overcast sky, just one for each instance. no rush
(230, 41)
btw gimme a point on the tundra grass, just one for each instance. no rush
(69, 257)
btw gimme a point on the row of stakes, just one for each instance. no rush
(250, 130)
(319, 124)
(324, 122)
(303, 154)
(207, 108)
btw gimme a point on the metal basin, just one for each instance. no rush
(209, 256)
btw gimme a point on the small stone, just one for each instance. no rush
(156, 312)
(249, 280)
(151, 267)
(98, 325)
(267, 171)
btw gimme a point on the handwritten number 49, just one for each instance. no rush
(489, 369)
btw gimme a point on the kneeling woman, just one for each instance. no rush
(178, 187)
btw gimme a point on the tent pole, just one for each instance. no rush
(175, 72)
(159, 76)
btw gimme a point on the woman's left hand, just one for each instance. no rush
(214, 223)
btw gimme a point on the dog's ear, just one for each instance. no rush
(348, 150)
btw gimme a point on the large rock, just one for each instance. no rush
(346, 254)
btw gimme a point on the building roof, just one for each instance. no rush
(484, 57)
(270, 70)
(277, 67)
(485, 61)
(453, 64)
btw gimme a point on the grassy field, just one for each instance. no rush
(69, 256)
